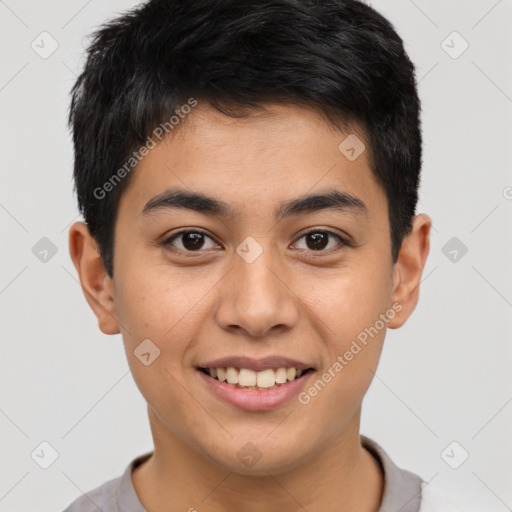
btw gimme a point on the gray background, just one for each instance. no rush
(445, 376)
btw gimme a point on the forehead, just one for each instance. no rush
(261, 160)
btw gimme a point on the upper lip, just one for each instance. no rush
(256, 365)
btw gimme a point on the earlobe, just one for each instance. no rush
(409, 268)
(96, 284)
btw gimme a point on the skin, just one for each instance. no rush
(291, 301)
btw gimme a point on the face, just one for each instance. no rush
(259, 270)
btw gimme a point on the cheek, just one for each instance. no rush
(347, 309)
(166, 310)
(351, 299)
(167, 306)
(160, 304)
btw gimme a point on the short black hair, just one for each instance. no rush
(340, 57)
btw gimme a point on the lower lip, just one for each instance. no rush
(253, 400)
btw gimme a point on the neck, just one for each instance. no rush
(342, 476)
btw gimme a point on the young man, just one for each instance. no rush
(248, 174)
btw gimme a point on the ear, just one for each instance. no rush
(97, 286)
(408, 269)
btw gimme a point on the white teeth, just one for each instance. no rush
(290, 373)
(281, 376)
(264, 379)
(247, 377)
(232, 375)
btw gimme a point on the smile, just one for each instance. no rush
(255, 391)
(245, 378)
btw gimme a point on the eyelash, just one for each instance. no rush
(343, 242)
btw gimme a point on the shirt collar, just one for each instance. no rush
(402, 489)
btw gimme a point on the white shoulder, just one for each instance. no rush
(432, 500)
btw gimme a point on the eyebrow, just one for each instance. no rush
(331, 199)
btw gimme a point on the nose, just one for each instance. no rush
(255, 298)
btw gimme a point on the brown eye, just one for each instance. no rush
(318, 240)
(190, 241)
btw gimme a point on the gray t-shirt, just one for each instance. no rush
(402, 489)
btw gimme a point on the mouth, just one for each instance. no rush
(264, 380)
(255, 384)
(255, 390)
